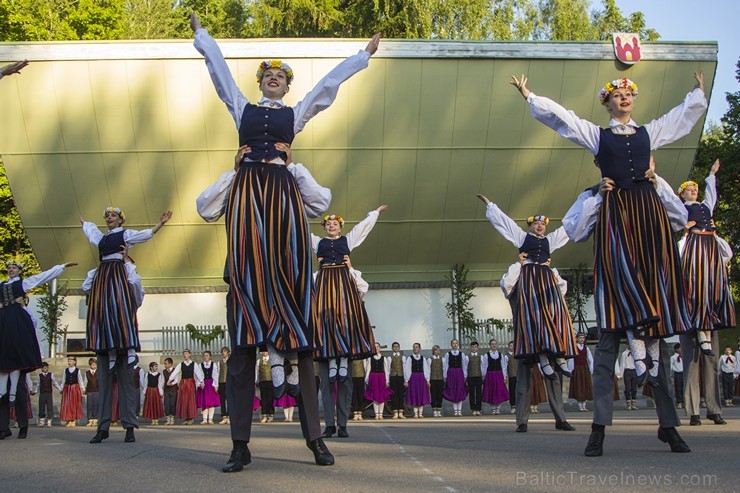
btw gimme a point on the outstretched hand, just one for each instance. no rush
(13, 68)
(483, 198)
(521, 85)
(82, 221)
(195, 22)
(715, 167)
(381, 208)
(166, 216)
(372, 46)
(699, 76)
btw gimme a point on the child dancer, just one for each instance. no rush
(152, 385)
(377, 380)
(19, 348)
(346, 327)
(475, 379)
(264, 381)
(136, 378)
(710, 302)
(170, 392)
(74, 385)
(357, 371)
(455, 368)
(634, 249)
(46, 383)
(222, 368)
(396, 362)
(275, 308)
(111, 317)
(189, 376)
(677, 371)
(494, 366)
(436, 381)
(91, 391)
(582, 367)
(207, 395)
(544, 329)
(416, 373)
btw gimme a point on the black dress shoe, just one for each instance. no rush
(342, 433)
(695, 420)
(522, 428)
(712, 417)
(329, 431)
(133, 362)
(5, 434)
(672, 438)
(321, 454)
(564, 426)
(23, 432)
(240, 457)
(130, 438)
(99, 436)
(595, 445)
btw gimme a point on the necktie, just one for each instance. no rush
(679, 358)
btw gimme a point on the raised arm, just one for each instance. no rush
(580, 220)
(710, 192)
(325, 92)
(12, 68)
(557, 239)
(221, 76)
(503, 223)
(37, 280)
(677, 213)
(91, 231)
(566, 123)
(358, 234)
(680, 120)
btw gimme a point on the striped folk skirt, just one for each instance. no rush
(638, 282)
(111, 313)
(71, 408)
(269, 261)
(153, 406)
(346, 330)
(708, 289)
(543, 323)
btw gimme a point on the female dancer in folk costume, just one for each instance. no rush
(639, 288)
(377, 380)
(270, 299)
(346, 330)
(152, 391)
(710, 302)
(543, 328)
(19, 347)
(288, 404)
(493, 366)
(455, 369)
(112, 326)
(207, 393)
(582, 366)
(188, 375)
(73, 384)
(416, 373)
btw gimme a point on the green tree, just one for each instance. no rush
(565, 20)
(722, 142)
(13, 240)
(51, 309)
(458, 310)
(149, 19)
(610, 20)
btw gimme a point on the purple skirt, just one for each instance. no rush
(284, 401)
(417, 394)
(207, 396)
(376, 389)
(494, 390)
(455, 390)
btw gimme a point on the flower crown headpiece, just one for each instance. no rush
(540, 217)
(332, 217)
(17, 263)
(116, 210)
(623, 83)
(275, 64)
(686, 185)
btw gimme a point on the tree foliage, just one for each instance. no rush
(458, 310)
(51, 309)
(13, 241)
(722, 141)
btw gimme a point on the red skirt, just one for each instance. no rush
(581, 388)
(186, 406)
(153, 407)
(29, 409)
(71, 409)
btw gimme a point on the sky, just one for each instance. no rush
(689, 20)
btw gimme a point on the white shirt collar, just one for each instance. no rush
(614, 123)
(13, 279)
(270, 103)
(115, 230)
(474, 354)
(396, 354)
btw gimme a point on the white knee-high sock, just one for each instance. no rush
(205, 414)
(545, 364)
(211, 412)
(289, 413)
(3, 383)
(637, 346)
(277, 371)
(653, 349)
(293, 378)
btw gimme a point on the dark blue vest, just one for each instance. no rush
(10, 291)
(494, 364)
(187, 371)
(207, 372)
(454, 361)
(152, 380)
(417, 366)
(624, 158)
(537, 249)
(110, 244)
(377, 365)
(332, 252)
(701, 214)
(262, 127)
